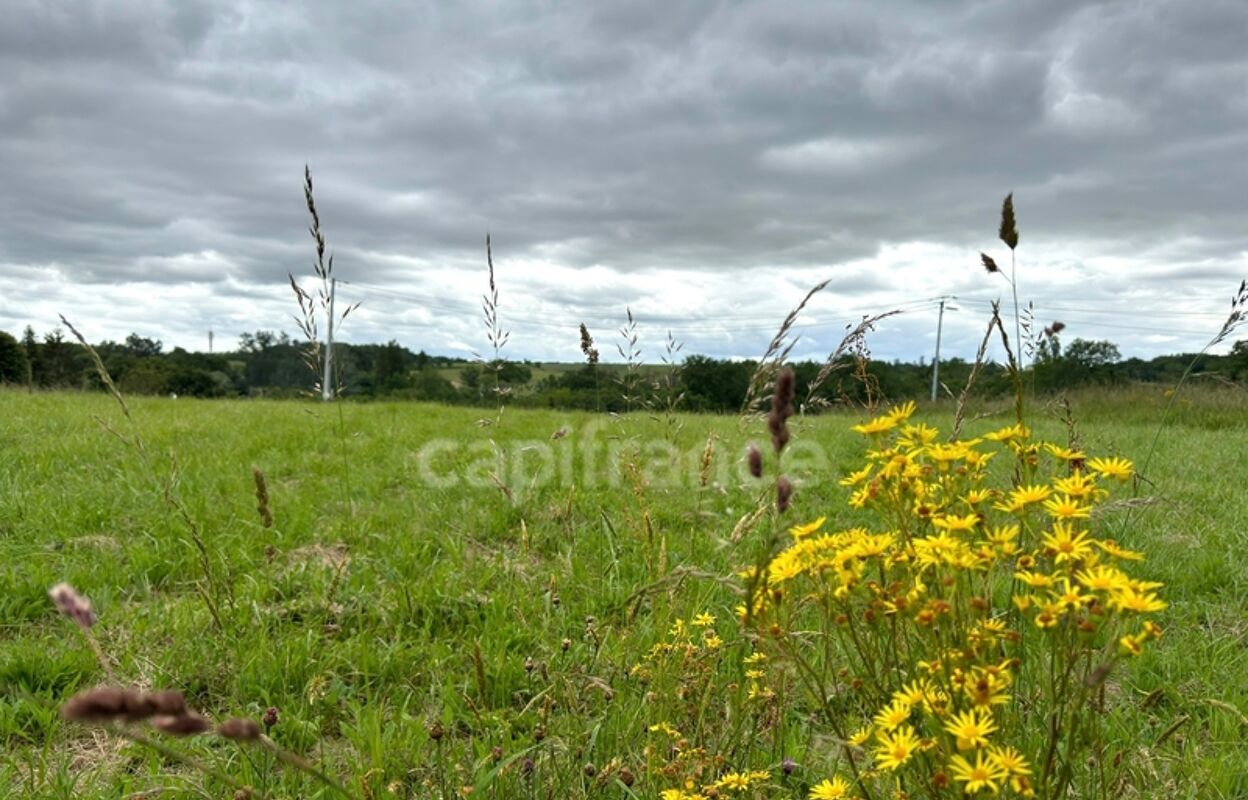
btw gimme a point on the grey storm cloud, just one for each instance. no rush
(689, 159)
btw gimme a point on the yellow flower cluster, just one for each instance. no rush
(931, 611)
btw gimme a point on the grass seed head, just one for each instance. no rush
(1008, 231)
(95, 705)
(240, 729)
(781, 408)
(262, 498)
(186, 724)
(754, 457)
(72, 604)
(784, 492)
(167, 702)
(587, 346)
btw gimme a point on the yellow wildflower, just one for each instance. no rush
(1065, 507)
(834, 789)
(977, 497)
(1023, 496)
(895, 749)
(949, 522)
(1067, 544)
(980, 775)
(893, 715)
(1009, 759)
(877, 425)
(802, 531)
(734, 781)
(1069, 597)
(1131, 599)
(971, 728)
(1102, 579)
(855, 478)
(902, 412)
(1119, 468)
(1079, 485)
(1036, 580)
(1008, 434)
(1065, 453)
(914, 436)
(1111, 547)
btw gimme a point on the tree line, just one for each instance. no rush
(271, 364)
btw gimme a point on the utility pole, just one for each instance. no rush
(940, 321)
(210, 340)
(327, 385)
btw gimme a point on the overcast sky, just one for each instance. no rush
(702, 163)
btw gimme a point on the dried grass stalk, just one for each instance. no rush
(777, 352)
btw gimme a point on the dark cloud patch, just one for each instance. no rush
(610, 147)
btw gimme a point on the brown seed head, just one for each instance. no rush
(784, 492)
(270, 717)
(786, 387)
(754, 457)
(782, 408)
(1008, 231)
(240, 729)
(587, 346)
(95, 705)
(72, 604)
(626, 776)
(989, 264)
(262, 498)
(188, 724)
(137, 706)
(436, 731)
(167, 702)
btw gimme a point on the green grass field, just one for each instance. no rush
(431, 619)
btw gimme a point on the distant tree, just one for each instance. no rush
(57, 357)
(427, 384)
(30, 344)
(142, 347)
(14, 365)
(260, 341)
(1238, 359)
(390, 368)
(511, 373)
(1093, 354)
(150, 376)
(716, 385)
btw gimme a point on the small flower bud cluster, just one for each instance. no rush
(72, 605)
(778, 427)
(164, 709)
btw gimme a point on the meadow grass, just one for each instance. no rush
(422, 641)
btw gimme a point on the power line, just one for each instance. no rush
(1041, 305)
(1117, 326)
(711, 324)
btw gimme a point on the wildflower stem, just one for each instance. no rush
(304, 766)
(181, 757)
